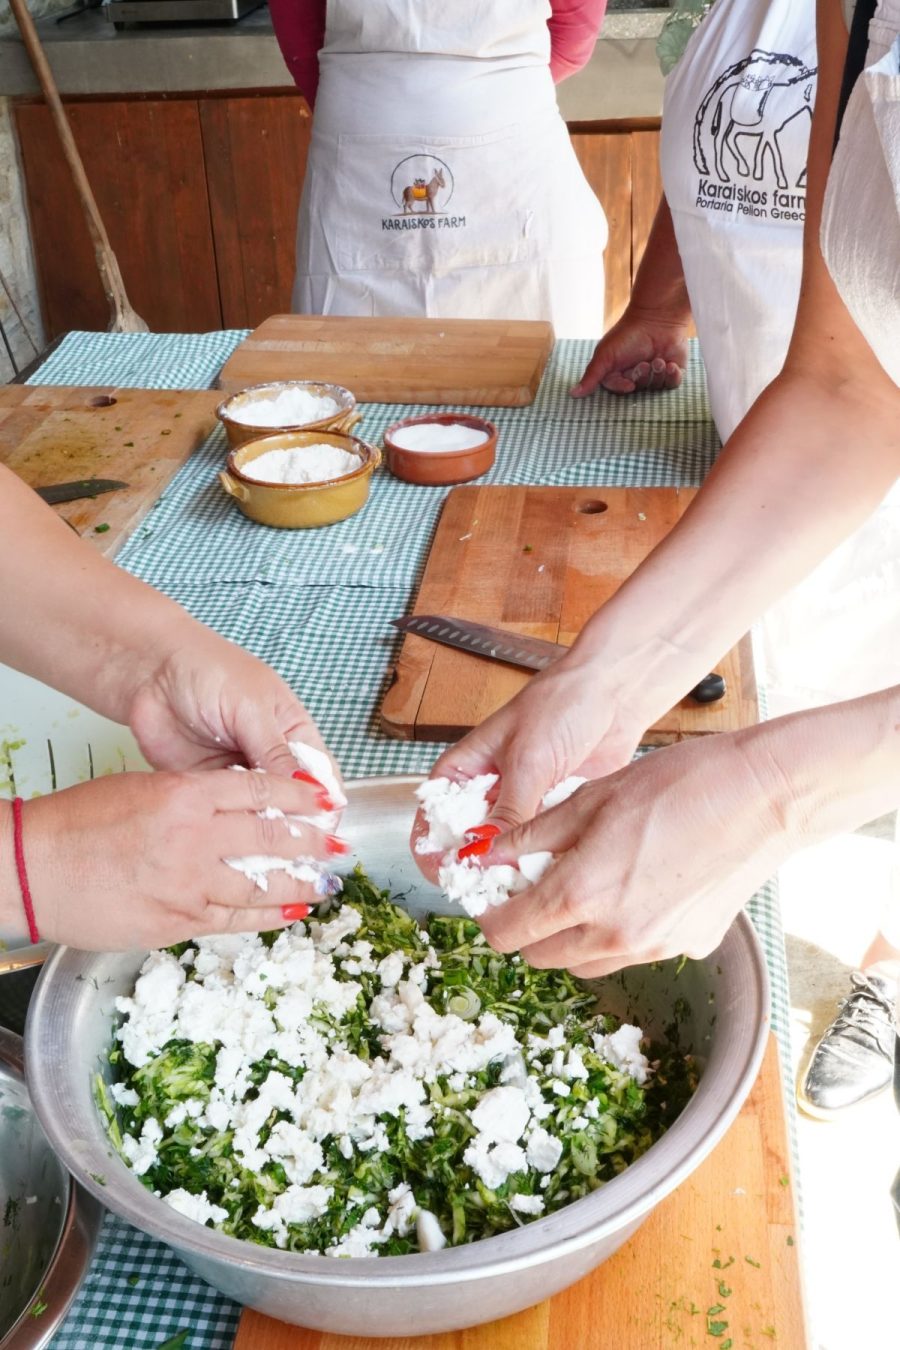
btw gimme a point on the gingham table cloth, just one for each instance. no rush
(315, 605)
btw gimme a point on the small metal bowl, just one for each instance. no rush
(50, 1225)
(299, 506)
(440, 468)
(239, 433)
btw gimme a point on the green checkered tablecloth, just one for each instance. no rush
(316, 605)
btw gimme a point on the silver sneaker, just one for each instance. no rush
(854, 1060)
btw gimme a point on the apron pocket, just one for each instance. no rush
(434, 206)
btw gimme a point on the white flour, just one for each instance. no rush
(303, 464)
(438, 436)
(294, 407)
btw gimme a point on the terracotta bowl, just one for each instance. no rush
(239, 433)
(436, 468)
(299, 506)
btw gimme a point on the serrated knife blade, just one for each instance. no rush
(497, 644)
(528, 653)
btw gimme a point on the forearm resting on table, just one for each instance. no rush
(72, 618)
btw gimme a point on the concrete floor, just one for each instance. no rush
(832, 899)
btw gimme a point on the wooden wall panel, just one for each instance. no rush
(255, 150)
(607, 163)
(144, 160)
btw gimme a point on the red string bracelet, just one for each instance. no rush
(23, 874)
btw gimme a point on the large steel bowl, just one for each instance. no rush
(69, 1033)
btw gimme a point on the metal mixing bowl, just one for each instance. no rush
(49, 1225)
(68, 1037)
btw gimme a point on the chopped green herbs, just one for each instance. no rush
(600, 1117)
(101, 529)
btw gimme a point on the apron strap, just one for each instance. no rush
(857, 47)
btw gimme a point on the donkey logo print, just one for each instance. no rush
(750, 116)
(420, 191)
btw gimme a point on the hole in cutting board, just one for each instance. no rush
(594, 508)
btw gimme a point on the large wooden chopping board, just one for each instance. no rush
(54, 434)
(657, 1292)
(538, 561)
(481, 362)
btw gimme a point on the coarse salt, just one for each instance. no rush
(292, 407)
(318, 463)
(438, 437)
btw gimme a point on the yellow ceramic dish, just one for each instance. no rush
(299, 506)
(239, 433)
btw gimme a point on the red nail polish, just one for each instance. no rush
(488, 831)
(294, 911)
(303, 777)
(476, 849)
(324, 802)
(334, 844)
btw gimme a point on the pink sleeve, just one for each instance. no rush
(300, 29)
(574, 25)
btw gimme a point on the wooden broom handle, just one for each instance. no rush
(123, 318)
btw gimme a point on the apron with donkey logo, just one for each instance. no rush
(441, 180)
(735, 136)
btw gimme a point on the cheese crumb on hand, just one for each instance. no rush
(303, 868)
(451, 808)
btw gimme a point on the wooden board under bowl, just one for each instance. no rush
(477, 362)
(717, 1260)
(57, 434)
(538, 561)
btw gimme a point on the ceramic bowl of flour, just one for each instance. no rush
(299, 480)
(440, 448)
(286, 405)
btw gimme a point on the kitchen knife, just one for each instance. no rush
(499, 644)
(82, 487)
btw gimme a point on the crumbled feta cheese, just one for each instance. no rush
(478, 889)
(451, 808)
(623, 1049)
(142, 1153)
(502, 1113)
(562, 791)
(257, 867)
(298, 1204)
(429, 1233)
(390, 969)
(527, 1204)
(125, 1096)
(542, 1150)
(494, 1163)
(534, 865)
(197, 1207)
(317, 763)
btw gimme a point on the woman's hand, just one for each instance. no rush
(136, 859)
(209, 704)
(654, 861)
(563, 722)
(643, 351)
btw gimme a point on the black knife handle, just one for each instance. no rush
(710, 689)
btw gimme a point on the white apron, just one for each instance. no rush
(735, 133)
(441, 180)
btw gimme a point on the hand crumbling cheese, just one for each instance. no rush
(453, 808)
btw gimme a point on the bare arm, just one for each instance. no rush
(647, 348)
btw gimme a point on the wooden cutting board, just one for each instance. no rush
(480, 362)
(142, 436)
(538, 561)
(657, 1292)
